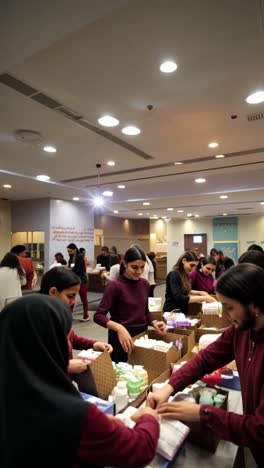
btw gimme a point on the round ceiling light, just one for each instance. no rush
(146, 203)
(170, 209)
(50, 149)
(220, 156)
(223, 197)
(111, 163)
(213, 144)
(115, 211)
(43, 178)
(107, 193)
(131, 131)
(108, 121)
(168, 66)
(200, 180)
(255, 98)
(7, 186)
(177, 163)
(121, 186)
(76, 198)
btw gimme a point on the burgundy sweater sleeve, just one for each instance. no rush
(105, 304)
(216, 355)
(244, 430)
(193, 276)
(78, 342)
(107, 442)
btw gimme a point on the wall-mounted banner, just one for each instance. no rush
(71, 234)
(225, 229)
(230, 249)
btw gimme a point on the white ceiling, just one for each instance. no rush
(103, 56)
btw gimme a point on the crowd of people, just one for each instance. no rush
(37, 364)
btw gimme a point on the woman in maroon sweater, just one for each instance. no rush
(240, 290)
(202, 277)
(126, 299)
(44, 421)
(65, 285)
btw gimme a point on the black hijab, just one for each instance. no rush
(41, 413)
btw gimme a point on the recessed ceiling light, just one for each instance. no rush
(130, 130)
(164, 217)
(189, 214)
(115, 211)
(43, 178)
(262, 203)
(213, 144)
(180, 211)
(177, 163)
(200, 180)
(223, 197)
(7, 186)
(107, 193)
(196, 216)
(111, 163)
(168, 67)
(98, 201)
(76, 198)
(147, 213)
(140, 214)
(121, 186)
(170, 209)
(224, 214)
(220, 156)
(108, 121)
(50, 149)
(146, 203)
(255, 98)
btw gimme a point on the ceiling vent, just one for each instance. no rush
(242, 209)
(255, 116)
(28, 136)
(69, 113)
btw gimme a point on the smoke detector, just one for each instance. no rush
(28, 136)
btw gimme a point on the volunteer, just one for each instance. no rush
(202, 276)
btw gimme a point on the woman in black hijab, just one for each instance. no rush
(43, 420)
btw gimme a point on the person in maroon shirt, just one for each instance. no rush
(26, 263)
(202, 278)
(65, 285)
(44, 421)
(240, 290)
(126, 299)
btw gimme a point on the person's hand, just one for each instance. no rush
(155, 399)
(76, 366)
(209, 299)
(204, 293)
(182, 410)
(160, 327)
(141, 412)
(125, 339)
(100, 346)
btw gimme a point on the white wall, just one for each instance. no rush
(175, 234)
(158, 235)
(5, 227)
(70, 222)
(250, 231)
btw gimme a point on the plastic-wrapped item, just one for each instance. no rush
(212, 308)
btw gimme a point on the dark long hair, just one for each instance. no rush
(132, 254)
(252, 256)
(243, 283)
(59, 278)
(256, 247)
(10, 260)
(189, 256)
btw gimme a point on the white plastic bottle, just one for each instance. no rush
(120, 395)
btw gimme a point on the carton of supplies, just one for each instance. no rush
(106, 406)
(154, 304)
(156, 357)
(190, 335)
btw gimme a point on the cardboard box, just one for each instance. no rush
(156, 362)
(194, 308)
(213, 320)
(187, 346)
(99, 379)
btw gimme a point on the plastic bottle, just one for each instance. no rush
(120, 395)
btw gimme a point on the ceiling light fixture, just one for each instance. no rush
(196, 216)
(180, 211)
(121, 186)
(177, 163)
(255, 98)
(164, 217)
(111, 163)
(223, 197)
(262, 203)
(168, 66)
(107, 193)
(220, 156)
(170, 209)
(140, 214)
(98, 201)
(131, 131)
(200, 180)
(43, 178)
(76, 198)
(224, 214)
(115, 211)
(213, 144)
(108, 121)
(50, 149)
(7, 186)
(189, 215)
(146, 203)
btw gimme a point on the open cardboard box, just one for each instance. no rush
(198, 435)
(187, 346)
(156, 362)
(99, 379)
